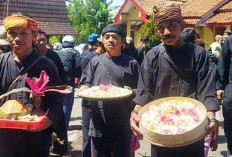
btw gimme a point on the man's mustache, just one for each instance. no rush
(169, 37)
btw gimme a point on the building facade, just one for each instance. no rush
(208, 17)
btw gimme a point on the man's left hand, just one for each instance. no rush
(212, 124)
(211, 127)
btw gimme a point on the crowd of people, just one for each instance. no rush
(175, 67)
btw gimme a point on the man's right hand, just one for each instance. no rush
(220, 94)
(134, 121)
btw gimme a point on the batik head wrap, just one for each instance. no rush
(15, 20)
(114, 29)
(168, 12)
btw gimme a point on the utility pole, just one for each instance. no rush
(6, 8)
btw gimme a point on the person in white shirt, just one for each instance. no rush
(216, 46)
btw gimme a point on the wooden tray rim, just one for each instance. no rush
(30, 124)
(106, 98)
(158, 101)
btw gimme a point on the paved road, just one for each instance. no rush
(75, 137)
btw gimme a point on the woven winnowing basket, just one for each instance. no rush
(178, 140)
(112, 97)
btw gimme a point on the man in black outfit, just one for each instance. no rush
(60, 130)
(71, 61)
(93, 44)
(109, 128)
(21, 33)
(160, 78)
(143, 49)
(224, 89)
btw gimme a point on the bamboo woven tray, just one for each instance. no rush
(126, 94)
(177, 140)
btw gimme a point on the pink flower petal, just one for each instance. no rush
(32, 84)
(103, 87)
(38, 85)
(43, 81)
(109, 85)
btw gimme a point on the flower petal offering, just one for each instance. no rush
(172, 117)
(182, 120)
(14, 115)
(104, 92)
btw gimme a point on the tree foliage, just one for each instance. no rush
(148, 29)
(89, 16)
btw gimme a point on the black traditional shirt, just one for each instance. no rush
(86, 58)
(54, 57)
(110, 116)
(9, 70)
(141, 54)
(71, 61)
(84, 62)
(224, 68)
(158, 78)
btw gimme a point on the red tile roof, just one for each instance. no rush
(195, 12)
(207, 11)
(227, 6)
(54, 28)
(51, 14)
(223, 16)
(191, 22)
(147, 5)
(197, 8)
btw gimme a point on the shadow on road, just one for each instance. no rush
(223, 153)
(75, 118)
(221, 139)
(75, 153)
(74, 127)
(143, 155)
(221, 125)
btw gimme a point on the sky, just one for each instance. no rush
(117, 2)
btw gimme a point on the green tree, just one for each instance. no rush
(89, 16)
(148, 29)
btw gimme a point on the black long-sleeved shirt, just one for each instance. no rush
(86, 59)
(53, 56)
(141, 53)
(224, 68)
(110, 115)
(9, 70)
(71, 60)
(158, 78)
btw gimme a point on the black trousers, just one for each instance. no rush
(116, 145)
(61, 132)
(227, 114)
(192, 150)
(23, 153)
(86, 145)
(16, 143)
